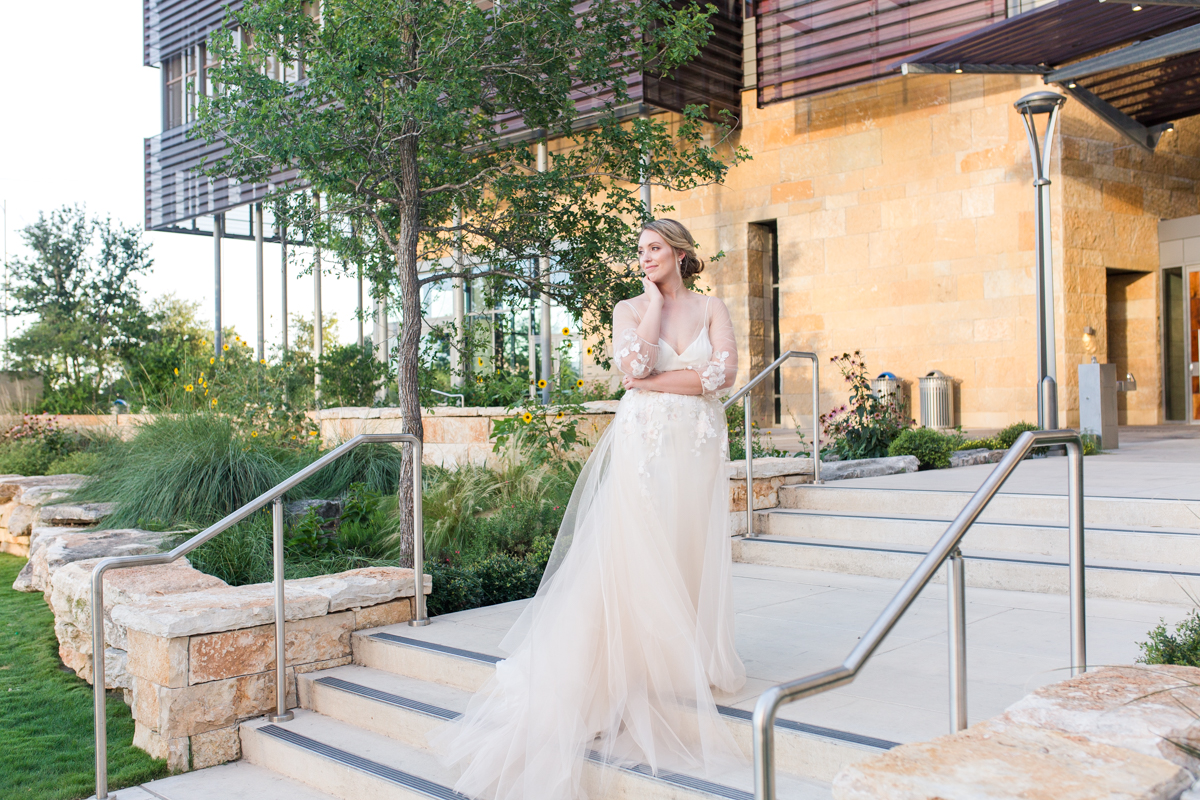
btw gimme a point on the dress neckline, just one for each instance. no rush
(703, 331)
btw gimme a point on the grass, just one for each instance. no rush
(46, 748)
(189, 470)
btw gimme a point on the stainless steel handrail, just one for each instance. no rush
(275, 497)
(461, 397)
(945, 548)
(816, 442)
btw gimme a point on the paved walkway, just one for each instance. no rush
(1161, 461)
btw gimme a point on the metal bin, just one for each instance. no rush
(937, 400)
(887, 388)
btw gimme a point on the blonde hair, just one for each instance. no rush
(680, 240)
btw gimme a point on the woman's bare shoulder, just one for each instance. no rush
(638, 304)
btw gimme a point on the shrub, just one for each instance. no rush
(866, 426)
(184, 469)
(498, 578)
(992, 443)
(1008, 436)
(931, 447)
(350, 375)
(1182, 647)
(82, 462)
(37, 446)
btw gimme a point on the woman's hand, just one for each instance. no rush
(651, 290)
(630, 382)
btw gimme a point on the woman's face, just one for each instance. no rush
(656, 258)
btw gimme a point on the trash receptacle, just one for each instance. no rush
(1098, 402)
(886, 387)
(937, 400)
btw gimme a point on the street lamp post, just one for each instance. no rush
(1031, 105)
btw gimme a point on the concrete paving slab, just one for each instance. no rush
(240, 780)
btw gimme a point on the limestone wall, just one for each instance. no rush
(452, 435)
(905, 224)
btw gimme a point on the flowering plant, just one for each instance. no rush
(866, 425)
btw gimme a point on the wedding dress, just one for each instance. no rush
(633, 621)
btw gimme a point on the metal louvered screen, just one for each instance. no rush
(810, 46)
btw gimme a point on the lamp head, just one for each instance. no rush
(1039, 102)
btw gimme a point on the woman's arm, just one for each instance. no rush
(677, 381)
(633, 354)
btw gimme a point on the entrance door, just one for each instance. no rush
(1192, 306)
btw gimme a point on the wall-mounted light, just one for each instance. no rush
(957, 69)
(1088, 330)
(1071, 85)
(1137, 8)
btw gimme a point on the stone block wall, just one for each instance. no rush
(904, 210)
(21, 508)
(196, 656)
(452, 435)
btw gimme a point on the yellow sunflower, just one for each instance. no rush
(262, 361)
(212, 360)
(566, 331)
(542, 384)
(214, 401)
(177, 372)
(188, 388)
(225, 346)
(253, 434)
(481, 362)
(312, 433)
(579, 384)
(589, 351)
(527, 418)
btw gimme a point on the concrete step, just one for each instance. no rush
(237, 780)
(351, 763)
(1122, 580)
(401, 678)
(1129, 512)
(1175, 546)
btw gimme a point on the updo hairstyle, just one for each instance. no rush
(680, 240)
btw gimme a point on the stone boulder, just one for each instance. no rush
(20, 499)
(868, 467)
(1011, 762)
(81, 514)
(1147, 709)
(54, 547)
(980, 455)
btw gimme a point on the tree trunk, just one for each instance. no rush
(410, 329)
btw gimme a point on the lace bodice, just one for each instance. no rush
(711, 352)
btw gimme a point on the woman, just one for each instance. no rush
(633, 621)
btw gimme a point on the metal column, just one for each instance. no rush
(544, 270)
(459, 358)
(359, 273)
(379, 338)
(218, 230)
(281, 710)
(258, 274)
(1029, 106)
(646, 178)
(956, 603)
(283, 285)
(318, 320)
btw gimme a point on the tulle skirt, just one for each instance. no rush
(632, 623)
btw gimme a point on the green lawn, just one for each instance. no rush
(46, 748)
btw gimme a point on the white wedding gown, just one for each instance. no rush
(633, 621)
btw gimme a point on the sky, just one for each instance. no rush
(76, 104)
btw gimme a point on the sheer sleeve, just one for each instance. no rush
(718, 374)
(634, 356)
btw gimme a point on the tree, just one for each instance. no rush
(81, 286)
(397, 124)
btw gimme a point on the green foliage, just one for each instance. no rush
(1181, 647)
(498, 578)
(991, 443)
(46, 717)
(735, 421)
(189, 469)
(186, 470)
(350, 376)
(80, 286)
(544, 432)
(932, 448)
(40, 446)
(1091, 444)
(866, 426)
(172, 336)
(1008, 437)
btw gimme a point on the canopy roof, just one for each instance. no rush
(1136, 65)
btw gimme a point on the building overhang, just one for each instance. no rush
(1134, 63)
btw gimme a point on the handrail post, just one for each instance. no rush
(816, 412)
(420, 618)
(764, 743)
(1076, 558)
(956, 604)
(281, 710)
(749, 469)
(99, 698)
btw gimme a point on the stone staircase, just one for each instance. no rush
(361, 732)
(1135, 548)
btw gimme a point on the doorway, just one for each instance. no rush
(1192, 308)
(1181, 344)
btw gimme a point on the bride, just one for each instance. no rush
(633, 622)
